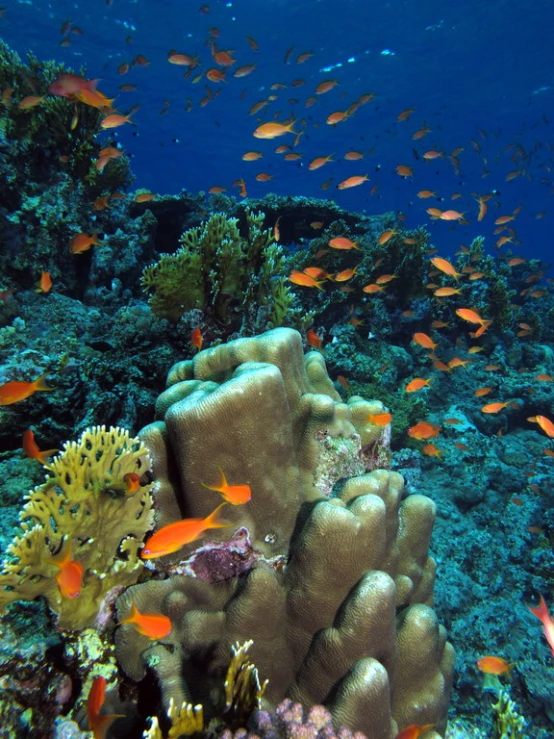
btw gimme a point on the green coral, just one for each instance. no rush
(507, 722)
(223, 273)
(83, 508)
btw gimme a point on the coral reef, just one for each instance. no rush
(231, 277)
(337, 591)
(84, 510)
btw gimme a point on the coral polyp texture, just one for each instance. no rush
(83, 510)
(326, 568)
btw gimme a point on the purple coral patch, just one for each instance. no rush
(222, 560)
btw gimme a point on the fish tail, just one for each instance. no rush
(100, 724)
(40, 383)
(131, 617)
(213, 521)
(43, 457)
(541, 611)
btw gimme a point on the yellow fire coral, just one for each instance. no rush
(83, 505)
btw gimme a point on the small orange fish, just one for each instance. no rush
(482, 391)
(386, 236)
(233, 494)
(544, 378)
(196, 339)
(251, 156)
(13, 392)
(446, 292)
(461, 447)
(313, 339)
(545, 423)
(431, 450)
(319, 162)
(132, 482)
(325, 86)
(70, 575)
(30, 447)
(345, 275)
(299, 278)
(452, 421)
(144, 197)
(341, 242)
(424, 340)
(444, 266)
(373, 288)
(273, 130)
(352, 182)
(175, 535)
(379, 419)
(494, 665)
(423, 430)
(337, 117)
(494, 407)
(44, 285)
(404, 171)
(471, 316)
(99, 723)
(541, 612)
(115, 120)
(417, 384)
(451, 215)
(82, 242)
(423, 194)
(153, 625)
(414, 731)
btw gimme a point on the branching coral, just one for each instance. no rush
(217, 269)
(334, 584)
(83, 507)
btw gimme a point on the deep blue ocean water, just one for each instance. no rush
(473, 71)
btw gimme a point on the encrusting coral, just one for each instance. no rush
(218, 270)
(85, 508)
(326, 570)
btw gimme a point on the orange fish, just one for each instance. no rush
(70, 575)
(31, 101)
(30, 447)
(273, 130)
(319, 162)
(386, 236)
(431, 450)
(233, 494)
(196, 339)
(471, 316)
(98, 723)
(423, 430)
(405, 114)
(494, 665)
(144, 197)
(494, 407)
(251, 156)
(341, 242)
(424, 340)
(482, 391)
(132, 482)
(352, 182)
(300, 278)
(175, 535)
(337, 117)
(313, 339)
(13, 392)
(414, 731)
(373, 288)
(44, 285)
(544, 378)
(417, 384)
(325, 86)
(379, 419)
(183, 60)
(545, 423)
(82, 242)
(152, 625)
(446, 292)
(451, 215)
(404, 171)
(115, 120)
(353, 156)
(444, 266)
(423, 194)
(541, 612)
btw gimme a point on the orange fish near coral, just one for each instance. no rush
(70, 575)
(424, 340)
(13, 392)
(341, 242)
(445, 266)
(313, 339)
(196, 339)
(30, 447)
(98, 723)
(82, 242)
(494, 407)
(546, 425)
(233, 494)
(423, 430)
(494, 665)
(174, 536)
(541, 612)
(300, 278)
(352, 182)
(379, 419)
(414, 731)
(417, 384)
(152, 625)
(44, 285)
(132, 482)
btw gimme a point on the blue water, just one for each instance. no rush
(473, 71)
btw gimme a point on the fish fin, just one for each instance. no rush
(131, 617)
(214, 521)
(40, 383)
(100, 725)
(540, 611)
(43, 456)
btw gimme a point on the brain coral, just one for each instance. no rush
(326, 568)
